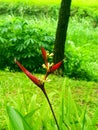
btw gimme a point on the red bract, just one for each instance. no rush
(44, 55)
(33, 78)
(56, 66)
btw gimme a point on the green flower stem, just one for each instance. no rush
(44, 91)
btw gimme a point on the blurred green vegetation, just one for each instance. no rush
(25, 28)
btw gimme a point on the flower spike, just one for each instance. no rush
(50, 68)
(33, 78)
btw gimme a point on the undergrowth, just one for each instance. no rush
(74, 101)
(21, 36)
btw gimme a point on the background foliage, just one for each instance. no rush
(22, 40)
(25, 28)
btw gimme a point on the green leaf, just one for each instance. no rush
(30, 114)
(17, 121)
(95, 117)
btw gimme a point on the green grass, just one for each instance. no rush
(82, 44)
(18, 91)
(47, 2)
(92, 3)
(38, 2)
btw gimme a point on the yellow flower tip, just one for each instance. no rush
(48, 53)
(48, 66)
(15, 60)
(45, 80)
(42, 81)
(44, 66)
(48, 80)
(51, 64)
(51, 55)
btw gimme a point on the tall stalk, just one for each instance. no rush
(44, 91)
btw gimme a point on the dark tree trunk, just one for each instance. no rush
(59, 44)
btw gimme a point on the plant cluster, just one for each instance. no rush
(71, 116)
(79, 63)
(24, 9)
(50, 68)
(21, 39)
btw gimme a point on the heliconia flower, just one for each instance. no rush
(50, 68)
(44, 55)
(55, 67)
(35, 80)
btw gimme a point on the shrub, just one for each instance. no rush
(79, 63)
(26, 9)
(22, 39)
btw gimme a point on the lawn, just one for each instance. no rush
(18, 91)
(56, 2)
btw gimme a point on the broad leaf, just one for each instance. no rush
(17, 121)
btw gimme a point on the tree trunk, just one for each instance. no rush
(59, 44)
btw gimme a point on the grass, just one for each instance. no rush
(81, 3)
(56, 2)
(38, 2)
(17, 91)
(82, 38)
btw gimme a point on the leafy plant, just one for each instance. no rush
(22, 37)
(50, 68)
(79, 63)
(17, 120)
(22, 40)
